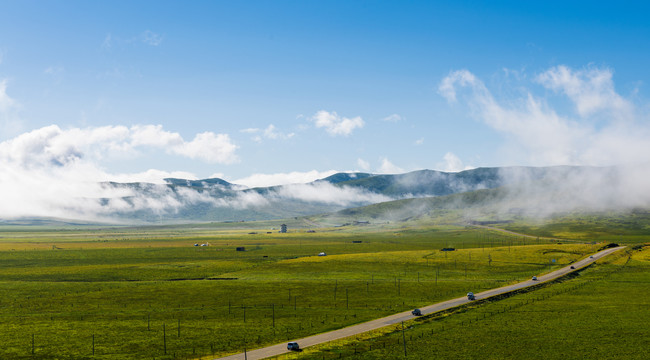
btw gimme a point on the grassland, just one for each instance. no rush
(600, 313)
(133, 293)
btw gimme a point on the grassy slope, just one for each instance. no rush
(624, 227)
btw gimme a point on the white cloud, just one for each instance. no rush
(452, 163)
(538, 135)
(146, 37)
(591, 90)
(364, 165)
(53, 172)
(262, 180)
(6, 102)
(335, 124)
(51, 145)
(152, 176)
(419, 141)
(10, 123)
(462, 78)
(389, 168)
(216, 175)
(325, 192)
(210, 147)
(394, 118)
(151, 38)
(270, 132)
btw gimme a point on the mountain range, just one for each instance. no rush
(181, 200)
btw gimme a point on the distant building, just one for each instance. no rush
(283, 228)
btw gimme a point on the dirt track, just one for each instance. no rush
(279, 349)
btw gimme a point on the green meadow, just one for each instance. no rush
(139, 293)
(601, 313)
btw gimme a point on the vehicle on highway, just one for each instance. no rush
(572, 267)
(416, 312)
(534, 278)
(591, 256)
(470, 296)
(293, 346)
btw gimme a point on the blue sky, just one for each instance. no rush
(264, 92)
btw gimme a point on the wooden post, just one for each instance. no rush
(164, 340)
(403, 339)
(347, 300)
(179, 327)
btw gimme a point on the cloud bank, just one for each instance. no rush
(52, 145)
(600, 128)
(336, 125)
(295, 177)
(52, 172)
(55, 173)
(603, 128)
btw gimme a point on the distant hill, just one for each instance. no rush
(199, 183)
(346, 177)
(368, 196)
(428, 182)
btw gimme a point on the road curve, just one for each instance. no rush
(279, 349)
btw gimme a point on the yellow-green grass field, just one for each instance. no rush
(601, 313)
(138, 293)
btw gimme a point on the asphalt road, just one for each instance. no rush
(279, 349)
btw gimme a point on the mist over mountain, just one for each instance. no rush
(534, 191)
(537, 191)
